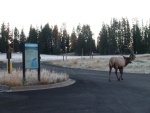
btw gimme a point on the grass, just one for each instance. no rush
(141, 64)
(16, 77)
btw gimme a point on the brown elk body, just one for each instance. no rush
(118, 63)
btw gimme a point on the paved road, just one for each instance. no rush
(92, 93)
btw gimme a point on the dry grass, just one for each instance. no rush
(141, 64)
(96, 64)
(15, 78)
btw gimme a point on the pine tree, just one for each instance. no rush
(146, 44)
(56, 40)
(5, 38)
(3, 41)
(103, 40)
(113, 36)
(16, 33)
(45, 40)
(73, 41)
(148, 39)
(68, 43)
(63, 41)
(119, 39)
(16, 45)
(81, 48)
(22, 36)
(64, 38)
(93, 46)
(137, 39)
(22, 39)
(33, 35)
(88, 39)
(98, 44)
(126, 35)
(16, 40)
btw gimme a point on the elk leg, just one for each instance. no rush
(116, 74)
(121, 72)
(110, 68)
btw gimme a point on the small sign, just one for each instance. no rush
(31, 56)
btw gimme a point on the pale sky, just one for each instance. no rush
(23, 13)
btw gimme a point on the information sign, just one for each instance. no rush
(31, 56)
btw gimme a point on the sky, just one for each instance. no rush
(23, 13)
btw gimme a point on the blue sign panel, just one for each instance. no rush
(31, 56)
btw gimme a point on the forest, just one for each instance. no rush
(118, 37)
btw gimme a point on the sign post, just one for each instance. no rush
(31, 58)
(8, 63)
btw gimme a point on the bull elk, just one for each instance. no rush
(118, 63)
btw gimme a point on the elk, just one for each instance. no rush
(118, 63)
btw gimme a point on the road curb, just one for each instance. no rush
(4, 88)
(40, 87)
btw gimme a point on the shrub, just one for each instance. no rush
(75, 62)
(15, 78)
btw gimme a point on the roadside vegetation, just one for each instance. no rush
(141, 64)
(16, 77)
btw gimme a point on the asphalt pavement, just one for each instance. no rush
(92, 93)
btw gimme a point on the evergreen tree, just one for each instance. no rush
(144, 41)
(64, 38)
(103, 40)
(63, 41)
(146, 44)
(22, 39)
(73, 41)
(113, 36)
(93, 46)
(148, 39)
(136, 35)
(22, 36)
(1, 45)
(56, 40)
(98, 44)
(16, 33)
(5, 39)
(79, 48)
(87, 34)
(78, 30)
(119, 39)
(126, 35)
(88, 39)
(81, 45)
(16, 40)
(33, 35)
(41, 40)
(68, 43)
(139, 45)
(16, 45)
(45, 40)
